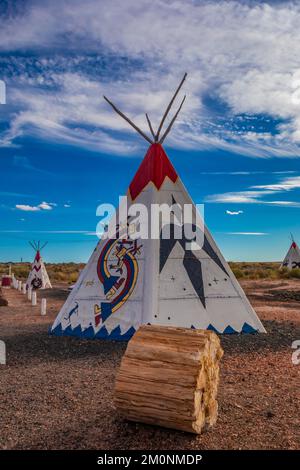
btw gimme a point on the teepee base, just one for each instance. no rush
(169, 377)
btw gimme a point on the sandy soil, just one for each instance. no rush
(57, 393)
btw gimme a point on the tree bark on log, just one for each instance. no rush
(169, 377)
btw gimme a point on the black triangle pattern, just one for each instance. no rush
(191, 263)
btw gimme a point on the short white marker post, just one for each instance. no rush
(2, 353)
(24, 288)
(44, 307)
(33, 298)
(29, 293)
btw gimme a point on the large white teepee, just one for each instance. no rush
(128, 282)
(292, 259)
(38, 277)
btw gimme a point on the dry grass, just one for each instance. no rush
(68, 272)
(58, 272)
(244, 270)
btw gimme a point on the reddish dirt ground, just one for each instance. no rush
(57, 393)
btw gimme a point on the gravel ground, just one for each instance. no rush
(57, 393)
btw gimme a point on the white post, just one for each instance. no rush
(24, 288)
(2, 352)
(33, 298)
(20, 286)
(44, 307)
(29, 293)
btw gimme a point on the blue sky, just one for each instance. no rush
(235, 145)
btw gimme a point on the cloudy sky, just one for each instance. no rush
(236, 144)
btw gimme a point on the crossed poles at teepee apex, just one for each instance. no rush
(156, 136)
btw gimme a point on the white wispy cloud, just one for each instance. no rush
(257, 234)
(248, 197)
(234, 212)
(43, 206)
(55, 232)
(27, 208)
(241, 197)
(23, 162)
(287, 184)
(14, 194)
(245, 173)
(259, 194)
(46, 206)
(77, 115)
(239, 54)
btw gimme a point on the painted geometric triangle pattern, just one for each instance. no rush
(38, 277)
(292, 259)
(129, 282)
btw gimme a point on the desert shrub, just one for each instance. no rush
(73, 276)
(256, 270)
(58, 272)
(68, 272)
(260, 274)
(239, 274)
(294, 273)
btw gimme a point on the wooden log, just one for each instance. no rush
(169, 377)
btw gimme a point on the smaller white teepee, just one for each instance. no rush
(38, 277)
(292, 259)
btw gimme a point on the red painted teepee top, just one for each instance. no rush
(155, 167)
(37, 256)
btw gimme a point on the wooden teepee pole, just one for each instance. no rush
(169, 107)
(33, 246)
(172, 122)
(156, 136)
(150, 127)
(128, 120)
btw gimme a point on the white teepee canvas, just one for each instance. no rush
(129, 282)
(292, 259)
(38, 277)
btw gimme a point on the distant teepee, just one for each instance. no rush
(129, 282)
(38, 277)
(292, 259)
